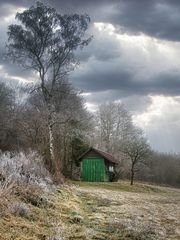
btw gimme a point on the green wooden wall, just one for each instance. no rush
(93, 169)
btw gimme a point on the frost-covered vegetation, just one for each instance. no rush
(30, 206)
(23, 169)
(24, 181)
(25, 176)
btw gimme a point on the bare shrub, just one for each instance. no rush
(19, 209)
(55, 238)
(23, 168)
(137, 229)
(3, 201)
(59, 235)
(33, 195)
(60, 231)
(5, 191)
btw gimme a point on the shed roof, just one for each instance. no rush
(103, 154)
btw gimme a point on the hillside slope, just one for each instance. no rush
(112, 211)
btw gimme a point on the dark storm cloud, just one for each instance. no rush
(124, 83)
(136, 103)
(157, 18)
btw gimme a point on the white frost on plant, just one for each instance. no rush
(24, 168)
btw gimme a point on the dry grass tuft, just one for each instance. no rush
(19, 210)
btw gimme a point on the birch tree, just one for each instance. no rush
(45, 42)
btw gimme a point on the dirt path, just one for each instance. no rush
(115, 214)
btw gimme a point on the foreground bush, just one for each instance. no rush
(23, 169)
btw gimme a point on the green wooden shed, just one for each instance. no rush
(97, 166)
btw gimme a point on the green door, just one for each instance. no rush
(93, 170)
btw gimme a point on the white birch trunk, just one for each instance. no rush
(51, 137)
(51, 143)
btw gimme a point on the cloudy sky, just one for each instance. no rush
(134, 57)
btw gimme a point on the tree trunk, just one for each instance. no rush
(132, 175)
(72, 161)
(56, 167)
(51, 121)
(51, 142)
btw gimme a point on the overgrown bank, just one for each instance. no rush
(41, 216)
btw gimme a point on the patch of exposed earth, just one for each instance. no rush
(116, 215)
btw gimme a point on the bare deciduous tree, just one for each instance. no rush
(137, 150)
(114, 125)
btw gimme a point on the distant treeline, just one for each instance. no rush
(162, 168)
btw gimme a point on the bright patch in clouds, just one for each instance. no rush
(159, 109)
(91, 107)
(8, 77)
(155, 110)
(105, 27)
(161, 123)
(86, 94)
(11, 13)
(145, 56)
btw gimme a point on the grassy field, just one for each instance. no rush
(123, 186)
(104, 211)
(142, 211)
